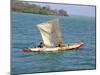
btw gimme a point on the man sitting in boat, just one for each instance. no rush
(41, 45)
(60, 45)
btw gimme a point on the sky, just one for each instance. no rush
(83, 10)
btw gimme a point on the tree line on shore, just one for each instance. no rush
(29, 7)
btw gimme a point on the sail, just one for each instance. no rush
(51, 33)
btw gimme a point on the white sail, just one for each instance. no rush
(51, 33)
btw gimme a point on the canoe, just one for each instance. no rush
(70, 46)
(52, 37)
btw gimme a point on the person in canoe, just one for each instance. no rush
(60, 44)
(41, 45)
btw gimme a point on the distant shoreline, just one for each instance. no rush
(35, 13)
(25, 7)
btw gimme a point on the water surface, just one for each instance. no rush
(74, 29)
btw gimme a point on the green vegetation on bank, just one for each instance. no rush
(28, 7)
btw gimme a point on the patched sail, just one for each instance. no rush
(51, 33)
